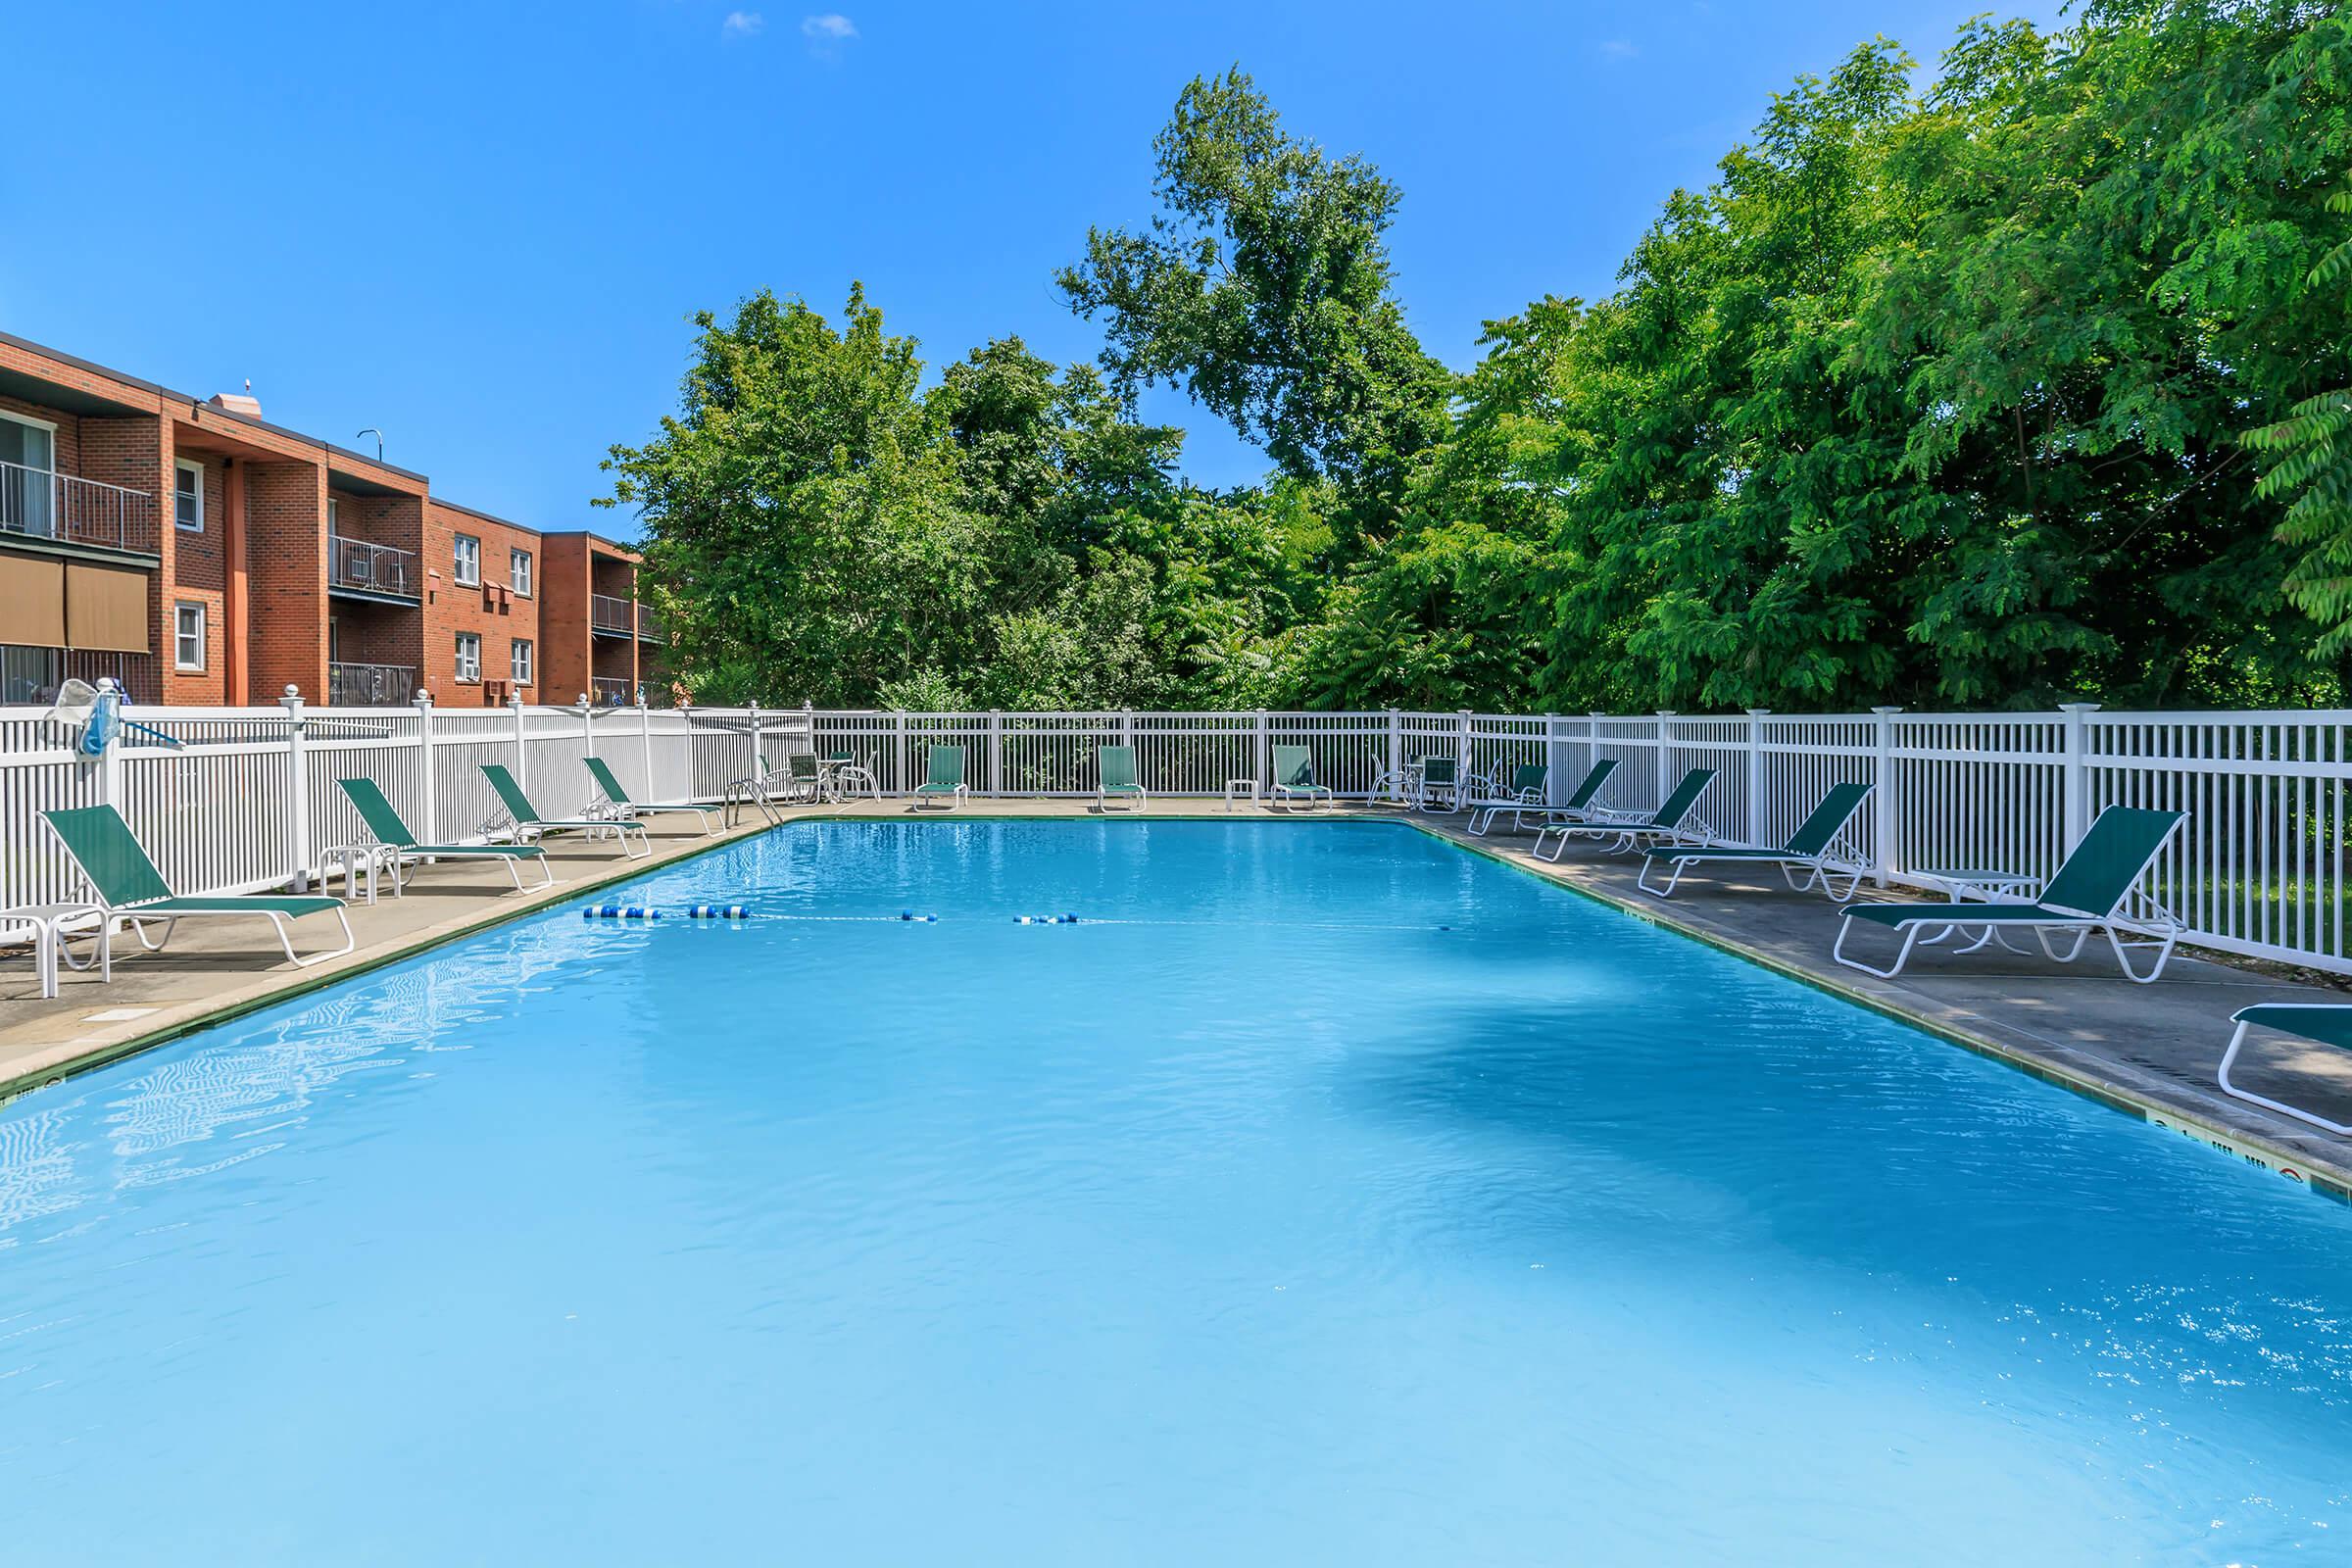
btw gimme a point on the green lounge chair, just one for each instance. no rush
(943, 767)
(1114, 775)
(613, 799)
(1439, 776)
(1629, 828)
(2086, 897)
(1578, 807)
(2327, 1023)
(1294, 779)
(388, 838)
(129, 887)
(1526, 793)
(519, 816)
(1807, 851)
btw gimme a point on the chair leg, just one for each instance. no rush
(2230, 1058)
(1837, 951)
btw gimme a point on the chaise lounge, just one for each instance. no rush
(2087, 898)
(131, 889)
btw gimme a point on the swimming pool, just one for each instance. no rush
(1327, 1194)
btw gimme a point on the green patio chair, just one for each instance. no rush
(1528, 783)
(1808, 851)
(1629, 828)
(386, 835)
(1578, 807)
(943, 767)
(1114, 775)
(613, 799)
(130, 888)
(2087, 897)
(2327, 1023)
(1294, 779)
(520, 817)
(1439, 776)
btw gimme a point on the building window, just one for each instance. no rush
(469, 560)
(518, 571)
(29, 448)
(187, 494)
(28, 674)
(469, 658)
(520, 661)
(187, 636)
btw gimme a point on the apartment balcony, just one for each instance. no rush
(611, 691)
(649, 625)
(357, 568)
(369, 685)
(40, 505)
(611, 616)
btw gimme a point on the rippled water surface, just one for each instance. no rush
(1327, 1196)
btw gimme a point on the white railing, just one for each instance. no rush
(369, 685)
(250, 800)
(85, 511)
(614, 614)
(370, 568)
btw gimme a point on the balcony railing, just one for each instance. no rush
(611, 691)
(611, 613)
(649, 625)
(369, 685)
(370, 568)
(84, 512)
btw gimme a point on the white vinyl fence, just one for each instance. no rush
(248, 800)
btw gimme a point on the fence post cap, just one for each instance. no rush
(2078, 707)
(1894, 709)
(423, 699)
(515, 700)
(1759, 712)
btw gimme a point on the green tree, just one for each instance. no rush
(806, 536)
(1263, 287)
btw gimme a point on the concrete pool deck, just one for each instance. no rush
(2149, 1050)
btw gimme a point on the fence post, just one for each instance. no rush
(523, 753)
(645, 732)
(298, 805)
(426, 770)
(996, 750)
(1881, 779)
(1266, 763)
(1461, 752)
(1665, 762)
(1397, 752)
(1552, 759)
(588, 731)
(759, 759)
(2078, 771)
(898, 778)
(1755, 774)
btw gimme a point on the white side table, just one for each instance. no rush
(1983, 887)
(49, 939)
(1239, 788)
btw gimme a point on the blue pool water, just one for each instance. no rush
(1327, 1196)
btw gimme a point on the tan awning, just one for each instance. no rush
(106, 609)
(32, 600)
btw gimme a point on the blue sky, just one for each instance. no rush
(482, 227)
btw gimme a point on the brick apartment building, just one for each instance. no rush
(200, 554)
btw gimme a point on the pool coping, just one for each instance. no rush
(2329, 1177)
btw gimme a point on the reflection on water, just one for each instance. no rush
(191, 1113)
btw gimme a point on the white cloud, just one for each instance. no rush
(742, 24)
(830, 29)
(1619, 48)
